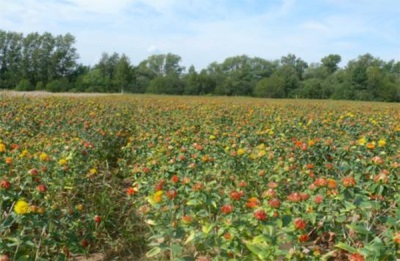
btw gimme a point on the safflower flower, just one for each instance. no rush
(21, 207)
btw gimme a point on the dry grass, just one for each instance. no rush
(47, 94)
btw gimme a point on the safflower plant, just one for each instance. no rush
(172, 178)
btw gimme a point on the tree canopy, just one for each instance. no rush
(47, 62)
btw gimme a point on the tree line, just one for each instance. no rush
(47, 62)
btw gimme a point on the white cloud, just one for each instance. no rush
(153, 49)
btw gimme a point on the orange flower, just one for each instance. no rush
(348, 182)
(332, 183)
(371, 145)
(187, 219)
(157, 197)
(396, 238)
(9, 160)
(253, 202)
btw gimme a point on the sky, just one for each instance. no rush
(206, 31)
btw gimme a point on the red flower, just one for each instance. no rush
(226, 209)
(300, 223)
(33, 172)
(235, 195)
(242, 184)
(272, 185)
(356, 257)
(270, 193)
(197, 187)
(187, 219)
(321, 182)
(160, 185)
(294, 197)
(318, 199)
(41, 188)
(303, 238)
(274, 203)
(309, 166)
(348, 182)
(97, 219)
(304, 196)
(175, 179)
(84, 243)
(228, 236)
(260, 215)
(130, 191)
(172, 194)
(5, 184)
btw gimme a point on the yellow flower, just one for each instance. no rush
(2, 147)
(240, 152)
(44, 157)
(24, 153)
(62, 162)
(212, 137)
(93, 171)
(262, 153)
(311, 143)
(157, 197)
(362, 141)
(382, 143)
(21, 207)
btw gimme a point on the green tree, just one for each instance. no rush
(123, 72)
(271, 87)
(331, 62)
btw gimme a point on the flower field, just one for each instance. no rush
(198, 178)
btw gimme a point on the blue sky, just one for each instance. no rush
(204, 31)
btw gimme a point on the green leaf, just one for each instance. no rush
(176, 250)
(359, 228)
(193, 202)
(349, 206)
(346, 247)
(190, 238)
(259, 249)
(207, 228)
(153, 252)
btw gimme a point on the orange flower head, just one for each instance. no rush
(348, 182)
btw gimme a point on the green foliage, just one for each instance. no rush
(272, 87)
(44, 59)
(25, 85)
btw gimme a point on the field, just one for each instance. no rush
(198, 178)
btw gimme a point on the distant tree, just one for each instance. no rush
(331, 62)
(271, 87)
(123, 72)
